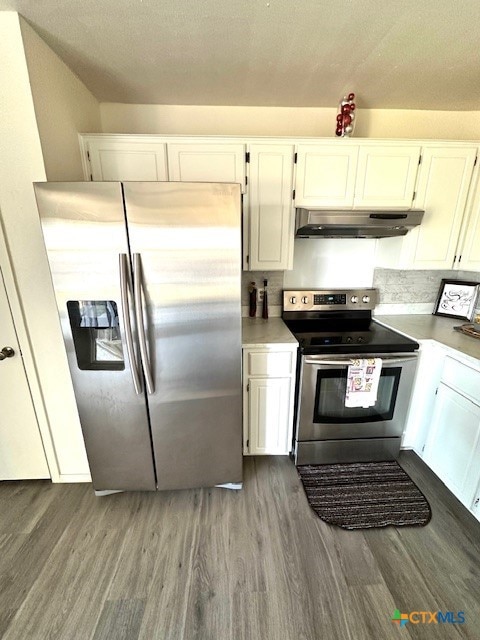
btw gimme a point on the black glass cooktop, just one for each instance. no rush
(372, 338)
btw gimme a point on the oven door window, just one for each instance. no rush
(330, 398)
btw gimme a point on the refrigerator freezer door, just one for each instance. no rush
(188, 237)
(85, 232)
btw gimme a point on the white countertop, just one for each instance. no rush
(257, 332)
(429, 327)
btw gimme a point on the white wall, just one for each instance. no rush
(21, 163)
(283, 121)
(63, 108)
(398, 123)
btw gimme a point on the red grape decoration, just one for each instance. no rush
(346, 116)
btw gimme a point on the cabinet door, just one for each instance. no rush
(469, 254)
(133, 160)
(475, 506)
(453, 446)
(431, 357)
(205, 162)
(326, 175)
(270, 210)
(268, 409)
(443, 186)
(386, 176)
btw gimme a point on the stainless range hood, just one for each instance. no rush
(321, 223)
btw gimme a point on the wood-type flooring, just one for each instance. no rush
(214, 564)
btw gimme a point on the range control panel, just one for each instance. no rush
(330, 300)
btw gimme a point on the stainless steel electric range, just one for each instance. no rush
(333, 327)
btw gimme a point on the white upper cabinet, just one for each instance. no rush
(386, 176)
(326, 175)
(269, 207)
(442, 191)
(359, 176)
(206, 162)
(128, 157)
(468, 256)
(336, 174)
(124, 158)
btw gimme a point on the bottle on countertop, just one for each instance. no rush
(265, 301)
(252, 300)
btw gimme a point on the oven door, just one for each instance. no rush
(322, 414)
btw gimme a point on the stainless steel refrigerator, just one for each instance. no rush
(147, 283)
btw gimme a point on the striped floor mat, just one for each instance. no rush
(364, 495)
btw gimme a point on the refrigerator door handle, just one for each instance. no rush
(139, 310)
(125, 290)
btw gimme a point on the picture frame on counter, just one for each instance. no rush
(457, 299)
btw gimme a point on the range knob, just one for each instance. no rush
(349, 339)
(366, 299)
(293, 300)
(304, 299)
(354, 299)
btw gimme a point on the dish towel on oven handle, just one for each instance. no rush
(362, 382)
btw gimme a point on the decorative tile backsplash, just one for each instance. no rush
(274, 288)
(400, 292)
(396, 287)
(413, 291)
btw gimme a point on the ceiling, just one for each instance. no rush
(407, 54)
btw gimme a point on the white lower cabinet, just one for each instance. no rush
(452, 449)
(475, 508)
(268, 411)
(431, 356)
(268, 397)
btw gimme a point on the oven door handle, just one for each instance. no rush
(347, 361)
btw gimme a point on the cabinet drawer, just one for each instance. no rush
(462, 378)
(277, 363)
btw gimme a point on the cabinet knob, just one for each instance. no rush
(6, 352)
